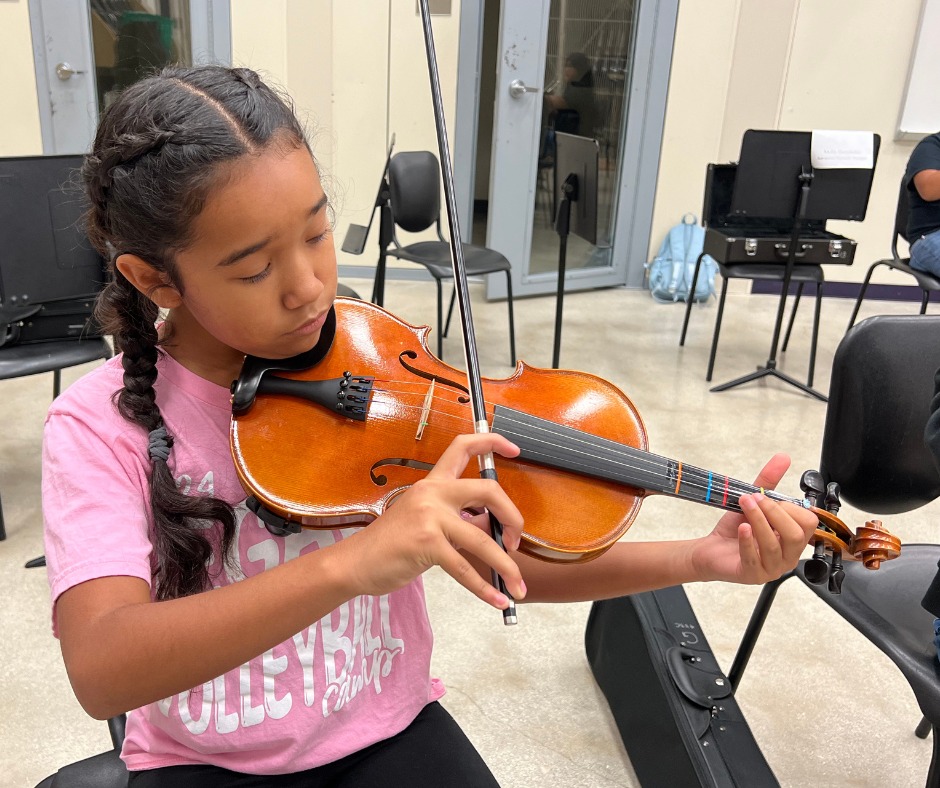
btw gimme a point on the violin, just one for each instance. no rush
(332, 437)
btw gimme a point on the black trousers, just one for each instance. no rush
(433, 751)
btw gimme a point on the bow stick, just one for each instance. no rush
(474, 382)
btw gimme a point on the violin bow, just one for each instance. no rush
(474, 381)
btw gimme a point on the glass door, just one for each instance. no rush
(131, 38)
(94, 48)
(596, 68)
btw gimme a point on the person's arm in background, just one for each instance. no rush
(927, 183)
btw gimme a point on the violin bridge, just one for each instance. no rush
(425, 412)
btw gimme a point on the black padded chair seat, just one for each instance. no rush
(771, 272)
(928, 283)
(37, 357)
(924, 280)
(33, 359)
(885, 607)
(105, 770)
(436, 257)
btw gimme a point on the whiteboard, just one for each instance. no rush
(920, 110)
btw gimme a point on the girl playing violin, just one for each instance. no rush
(241, 655)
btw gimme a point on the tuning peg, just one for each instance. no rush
(817, 568)
(833, 503)
(813, 486)
(838, 573)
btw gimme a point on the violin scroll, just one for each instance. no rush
(871, 544)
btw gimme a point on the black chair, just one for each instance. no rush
(105, 770)
(763, 263)
(928, 283)
(415, 203)
(873, 447)
(802, 275)
(19, 360)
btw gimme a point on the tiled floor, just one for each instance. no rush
(825, 705)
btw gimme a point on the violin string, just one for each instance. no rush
(694, 479)
(650, 464)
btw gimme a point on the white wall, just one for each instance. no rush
(356, 72)
(785, 64)
(20, 134)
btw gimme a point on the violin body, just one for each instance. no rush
(330, 438)
(321, 469)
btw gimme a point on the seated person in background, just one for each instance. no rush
(923, 185)
(578, 95)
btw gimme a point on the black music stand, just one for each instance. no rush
(775, 179)
(576, 180)
(358, 234)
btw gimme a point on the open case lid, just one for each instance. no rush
(716, 211)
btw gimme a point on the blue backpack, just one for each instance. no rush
(670, 272)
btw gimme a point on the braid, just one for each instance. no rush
(158, 152)
(182, 548)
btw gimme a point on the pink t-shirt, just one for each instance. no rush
(357, 676)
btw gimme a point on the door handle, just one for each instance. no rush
(64, 71)
(518, 88)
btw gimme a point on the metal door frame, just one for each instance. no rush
(211, 33)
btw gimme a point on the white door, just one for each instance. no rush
(602, 65)
(65, 81)
(87, 50)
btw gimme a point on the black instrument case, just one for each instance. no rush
(674, 707)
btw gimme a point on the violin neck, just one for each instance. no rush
(544, 442)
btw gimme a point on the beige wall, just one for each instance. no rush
(356, 72)
(20, 133)
(783, 64)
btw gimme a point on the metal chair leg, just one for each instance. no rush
(512, 322)
(933, 774)
(796, 303)
(116, 726)
(754, 626)
(450, 311)
(861, 295)
(812, 347)
(721, 311)
(3, 529)
(690, 299)
(923, 728)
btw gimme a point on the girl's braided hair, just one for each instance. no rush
(160, 149)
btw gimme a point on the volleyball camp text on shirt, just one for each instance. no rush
(353, 678)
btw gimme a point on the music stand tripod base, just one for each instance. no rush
(773, 372)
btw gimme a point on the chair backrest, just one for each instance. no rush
(901, 214)
(879, 401)
(414, 180)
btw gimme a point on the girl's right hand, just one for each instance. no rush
(425, 527)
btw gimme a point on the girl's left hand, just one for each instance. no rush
(760, 544)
